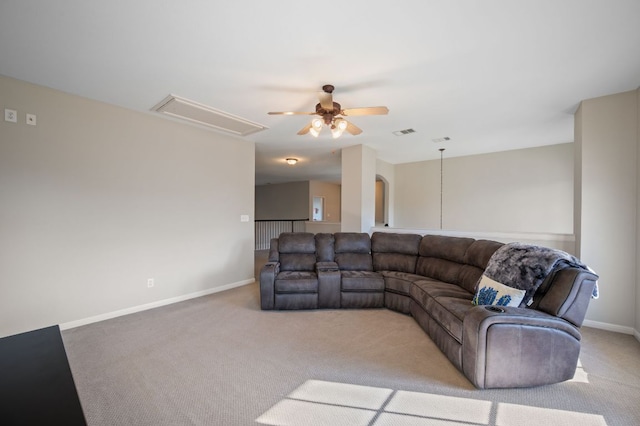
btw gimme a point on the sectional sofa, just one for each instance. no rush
(436, 280)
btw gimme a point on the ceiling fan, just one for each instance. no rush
(331, 114)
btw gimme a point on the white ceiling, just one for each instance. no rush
(492, 75)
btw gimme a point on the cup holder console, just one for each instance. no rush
(494, 309)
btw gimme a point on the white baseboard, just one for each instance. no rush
(157, 304)
(611, 327)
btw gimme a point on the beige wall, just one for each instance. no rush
(608, 141)
(637, 307)
(527, 190)
(96, 199)
(331, 194)
(283, 201)
(294, 200)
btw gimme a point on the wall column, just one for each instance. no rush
(358, 188)
(606, 204)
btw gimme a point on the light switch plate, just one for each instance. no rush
(244, 218)
(31, 119)
(10, 115)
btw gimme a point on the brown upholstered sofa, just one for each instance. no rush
(434, 278)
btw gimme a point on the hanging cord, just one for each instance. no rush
(441, 152)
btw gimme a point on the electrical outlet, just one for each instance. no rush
(31, 119)
(244, 218)
(150, 283)
(10, 115)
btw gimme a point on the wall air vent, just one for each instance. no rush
(194, 112)
(403, 132)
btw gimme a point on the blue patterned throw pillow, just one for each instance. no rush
(491, 292)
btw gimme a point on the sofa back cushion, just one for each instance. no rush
(325, 247)
(443, 257)
(476, 260)
(353, 251)
(297, 251)
(395, 252)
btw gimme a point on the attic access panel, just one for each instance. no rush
(195, 112)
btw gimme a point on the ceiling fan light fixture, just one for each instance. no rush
(330, 113)
(342, 124)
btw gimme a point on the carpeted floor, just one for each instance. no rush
(220, 360)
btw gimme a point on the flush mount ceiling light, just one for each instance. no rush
(291, 161)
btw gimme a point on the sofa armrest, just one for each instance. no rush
(267, 282)
(506, 347)
(327, 266)
(569, 294)
(328, 284)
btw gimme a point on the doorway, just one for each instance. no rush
(318, 209)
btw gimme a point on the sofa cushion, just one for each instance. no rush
(399, 282)
(455, 260)
(361, 281)
(445, 247)
(354, 262)
(352, 242)
(353, 251)
(394, 262)
(297, 251)
(439, 269)
(445, 303)
(296, 282)
(296, 242)
(297, 261)
(469, 277)
(476, 258)
(388, 242)
(491, 292)
(426, 289)
(479, 253)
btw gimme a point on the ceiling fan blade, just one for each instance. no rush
(353, 129)
(305, 129)
(326, 100)
(379, 110)
(290, 113)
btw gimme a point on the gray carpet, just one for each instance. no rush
(220, 360)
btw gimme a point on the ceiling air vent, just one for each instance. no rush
(403, 132)
(444, 139)
(197, 113)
